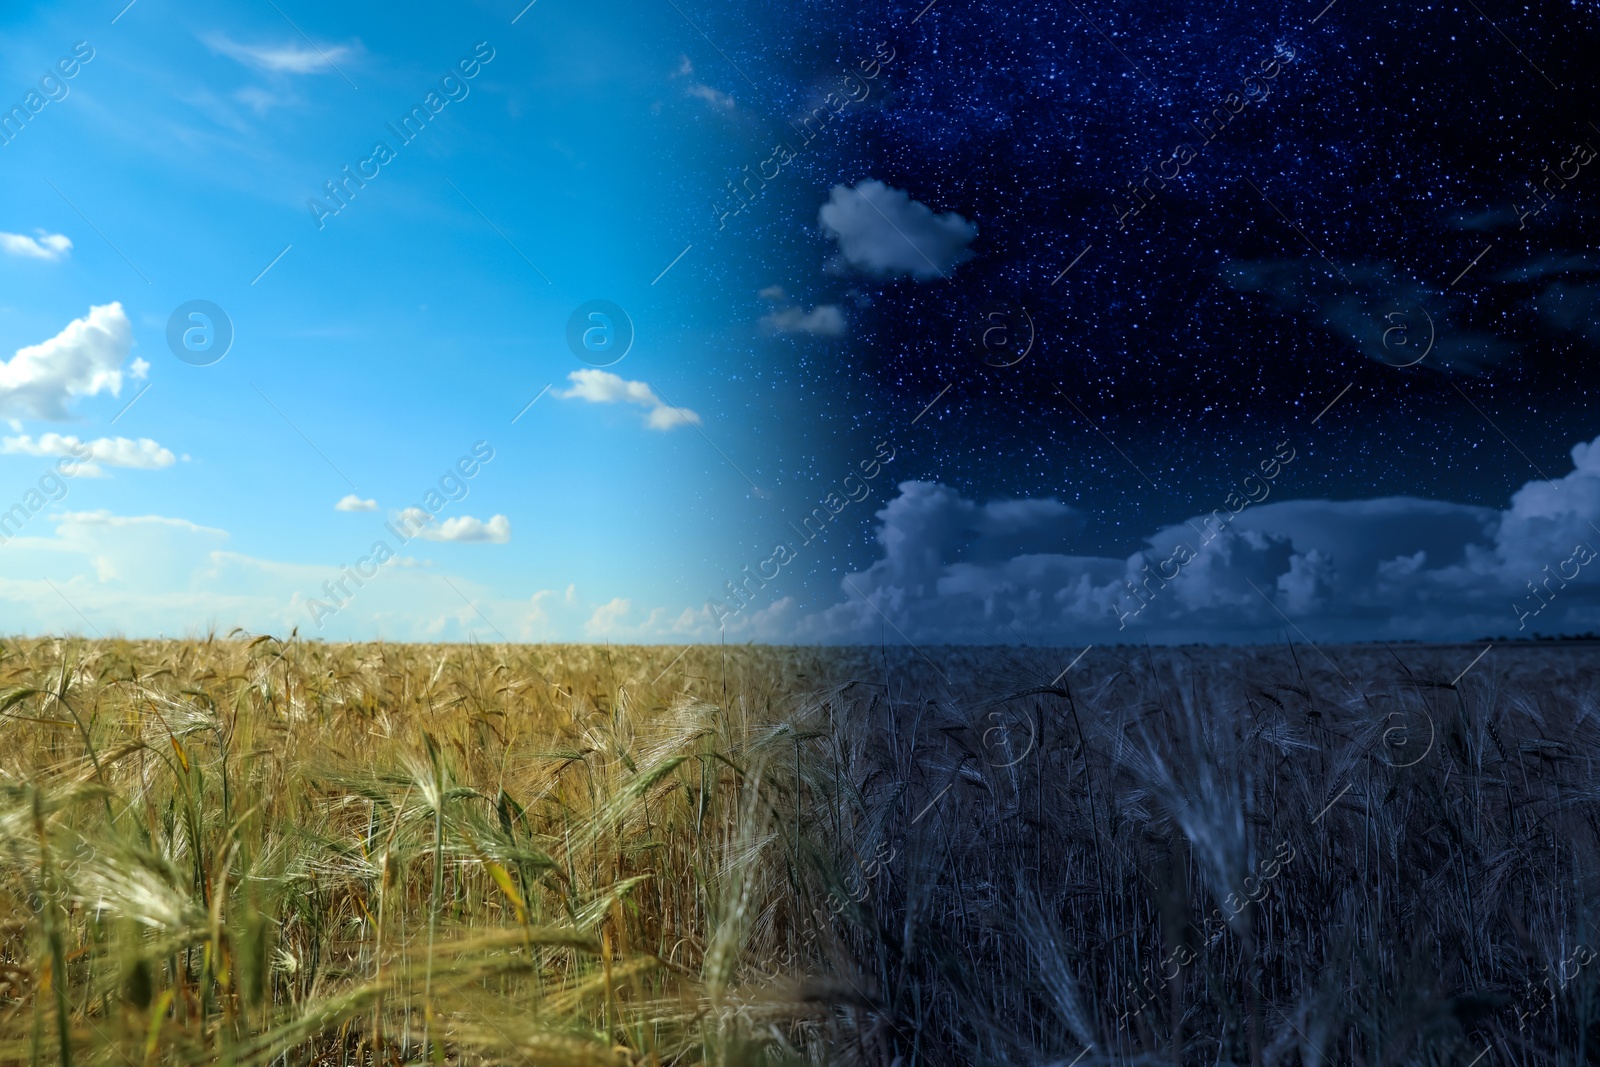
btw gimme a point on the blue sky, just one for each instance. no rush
(816, 348)
(390, 337)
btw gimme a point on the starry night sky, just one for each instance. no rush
(1394, 147)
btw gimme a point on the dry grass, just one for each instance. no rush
(1216, 857)
(247, 852)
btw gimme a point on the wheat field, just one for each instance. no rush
(1283, 855)
(246, 851)
(249, 852)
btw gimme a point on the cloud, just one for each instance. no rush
(151, 575)
(260, 100)
(1549, 266)
(665, 418)
(139, 553)
(951, 570)
(460, 528)
(606, 616)
(351, 502)
(143, 454)
(102, 517)
(603, 387)
(281, 59)
(1376, 311)
(105, 573)
(82, 360)
(825, 320)
(715, 97)
(883, 232)
(771, 292)
(49, 246)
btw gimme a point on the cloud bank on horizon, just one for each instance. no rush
(950, 571)
(954, 571)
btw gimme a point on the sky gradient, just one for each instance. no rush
(1031, 324)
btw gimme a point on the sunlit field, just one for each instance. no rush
(240, 851)
(247, 852)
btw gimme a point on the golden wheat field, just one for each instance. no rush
(251, 852)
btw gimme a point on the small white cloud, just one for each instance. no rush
(82, 360)
(824, 320)
(603, 387)
(771, 292)
(665, 418)
(351, 502)
(882, 231)
(284, 59)
(48, 246)
(143, 454)
(463, 529)
(715, 97)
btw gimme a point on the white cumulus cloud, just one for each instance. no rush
(351, 502)
(82, 360)
(50, 246)
(143, 454)
(464, 529)
(603, 387)
(882, 231)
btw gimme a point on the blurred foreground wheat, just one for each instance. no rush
(251, 852)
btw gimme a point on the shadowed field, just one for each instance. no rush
(250, 852)
(1204, 856)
